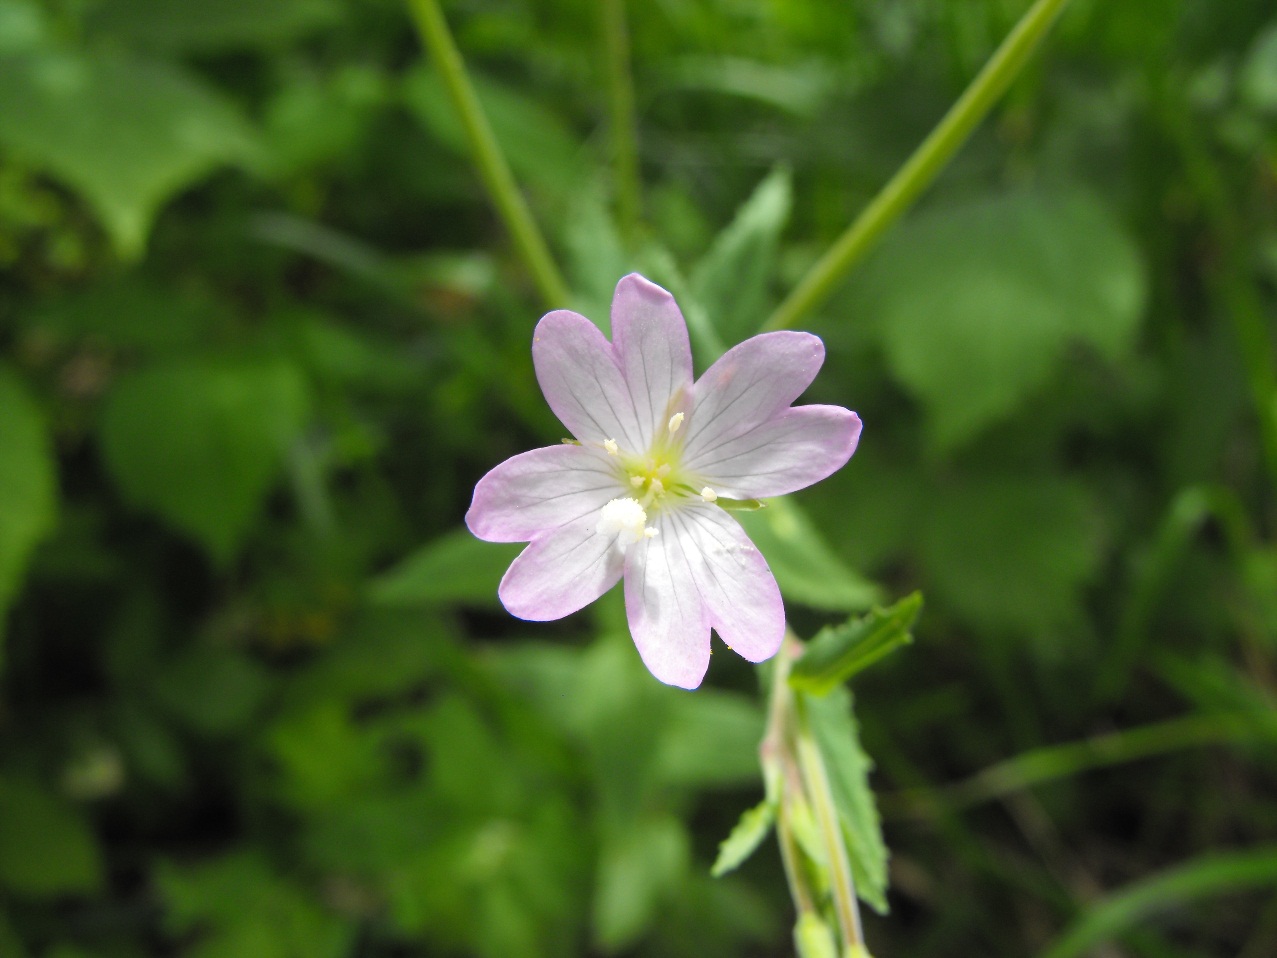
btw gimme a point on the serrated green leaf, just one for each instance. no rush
(837, 736)
(976, 303)
(730, 282)
(125, 133)
(201, 442)
(456, 567)
(806, 569)
(28, 485)
(210, 24)
(839, 652)
(754, 826)
(46, 847)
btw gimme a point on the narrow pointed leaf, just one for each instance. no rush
(731, 280)
(839, 652)
(754, 825)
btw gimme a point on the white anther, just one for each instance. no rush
(651, 532)
(637, 481)
(676, 420)
(663, 471)
(624, 519)
(657, 487)
(709, 495)
(610, 446)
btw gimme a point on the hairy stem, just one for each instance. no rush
(492, 165)
(921, 168)
(842, 885)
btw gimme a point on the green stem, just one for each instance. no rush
(493, 168)
(776, 771)
(1063, 761)
(921, 168)
(623, 126)
(1211, 874)
(842, 885)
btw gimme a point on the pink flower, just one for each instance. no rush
(640, 492)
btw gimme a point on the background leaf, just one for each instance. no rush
(200, 442)
(46, 848)
(456, 567)
(240, 907)
(124, 132)
(210, 24)
(976, 302)
(806, 569)
(28, 485)
(731, 280)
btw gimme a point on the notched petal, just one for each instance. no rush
(649, 335)
(561, 572)
(538, 491)
(582, 380)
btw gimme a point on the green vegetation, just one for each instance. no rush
(268, 276)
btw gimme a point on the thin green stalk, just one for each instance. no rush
(921, 168)
(1062, 761)
(1208, 875)
(623, 125)
(492, 165)
(776, 772)
(842, 885)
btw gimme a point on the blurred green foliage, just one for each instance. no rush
(262, 333)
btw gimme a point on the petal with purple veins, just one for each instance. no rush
(668, 618)
(749, 385)
(744, 602)
(790, 451)
(649, 336)
(582, 381)
(561, 572)
(541, 490)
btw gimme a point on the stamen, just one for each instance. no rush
(663, 471)
(637, 481)
(657, 487)
(708, 494)
(676, 420)
(651, 532)
(610, 446)
(624, 519)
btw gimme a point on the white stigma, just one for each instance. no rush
(676, 420)
(610, 446)
(709, 495)
(626, 520)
